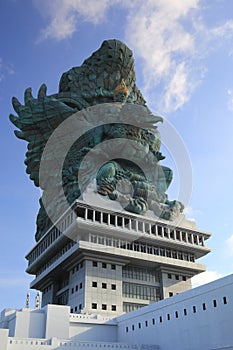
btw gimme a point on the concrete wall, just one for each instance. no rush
(194, 320)
(199, 319)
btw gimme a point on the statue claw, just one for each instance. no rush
(42, 92)
(16, 105)
(27, 95)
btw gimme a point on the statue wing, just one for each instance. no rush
(36, 121)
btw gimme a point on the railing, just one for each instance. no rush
(120, 221)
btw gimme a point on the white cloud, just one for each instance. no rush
(205, 277)
(65, 15)
(230, 99)
(170, 37)
(5, 69)
(191, 213)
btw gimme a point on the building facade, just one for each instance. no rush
(107, 262)
(200, 318)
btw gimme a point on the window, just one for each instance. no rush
(104, 306)
(160, 319)
(94, 263)
(80, 306)
(76, 288)
(94, 306)
(176, 314)
(184, 278)
(126, 329)
(139, 325)
(146, 323)
(72, 290)
(169, 275)
(104, 265)
(132, 327)
(71, 310)
(113, 267)
(80, 285)
(204, 306)
(194, 309)
(170, 294)
(168, 317)
(113, 307)
(94, 284)
(177, 277)
(104, 285)
(153, 321)
(224, 300)
(113, 286)
(76, 308)
(185, 312)
(215, 303)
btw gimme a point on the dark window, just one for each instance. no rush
(194, 309)
(184, 278)
(113, 307)
(94, 306)
(80, 306)
(71, 310)
(94, 263)
(160, 319)
(132, 327)
(146, 323)
(185, 312)
(72, 290)
(76, 308)
(104, 265)
(113, 267)
(169, 276)
(177, 277)
(126, 329)
(204, 306)
(104, 285)
(224, 300)
(139, 325)
(215, 303)
(170, 294)
(176, 314)
(113, 287)
(153, 321)
(90, 214)
(104, 306)
(97, 216)
(80, 212)
(94, 284)
(80, 285)
(168, 317)
(76, 288)
(105, 218)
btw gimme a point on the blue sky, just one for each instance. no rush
(184, 61)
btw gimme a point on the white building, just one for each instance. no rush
(198, 319)
(105, 261)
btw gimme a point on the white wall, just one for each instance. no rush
(204, 329)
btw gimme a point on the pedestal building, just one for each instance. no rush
(111, 262)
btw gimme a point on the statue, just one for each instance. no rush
(106, 79)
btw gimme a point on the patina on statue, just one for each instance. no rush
(107, 77)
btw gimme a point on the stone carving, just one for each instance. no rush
(107, 79)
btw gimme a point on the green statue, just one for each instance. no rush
(107, 80)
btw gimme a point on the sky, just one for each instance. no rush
(184, 63)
